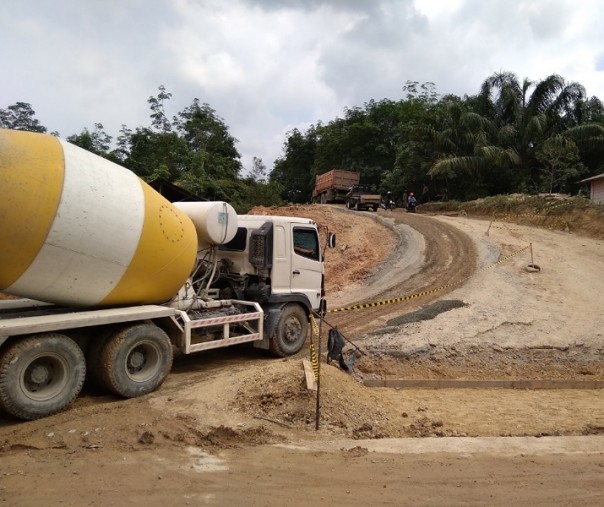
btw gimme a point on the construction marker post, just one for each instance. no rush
(532, 267)
(322, 312)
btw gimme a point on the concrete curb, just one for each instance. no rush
(499, 446)
(484, 384)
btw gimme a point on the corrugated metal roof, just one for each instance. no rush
(599, 176)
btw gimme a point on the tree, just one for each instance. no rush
(589, 139)
(123, 142)
(472, 152)
(158, 116)
(97, 141)
(561, 163)
(20, 116)
(415, 135)
(155, 154)
(423, 92)
(293, 170)
(512, 136)
(212, 152)
(509, 128)
(258, 172)
(363, 141)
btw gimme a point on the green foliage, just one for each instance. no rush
(210, 148)
(258, 172)
(293, 172)
(146, 151)
(561, 163)
(20, 116)
(194, 150)
(159, 120)
(259, 193)
(512, 136)
(97, 141)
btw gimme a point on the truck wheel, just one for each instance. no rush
(356, 205)
(40, 375)
(136, 360)
(290, 332)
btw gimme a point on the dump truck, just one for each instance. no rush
(332, 186)
(360, 197)
(109, 279)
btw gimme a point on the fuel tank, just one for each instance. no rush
(215, 221)
(79, 230)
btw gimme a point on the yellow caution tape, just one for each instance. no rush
(423, 293)
(313, 323)
(314, 360)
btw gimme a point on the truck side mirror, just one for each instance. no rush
(331, 240)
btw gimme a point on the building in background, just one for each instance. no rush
(596, 188)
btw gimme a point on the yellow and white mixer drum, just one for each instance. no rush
(77, 229)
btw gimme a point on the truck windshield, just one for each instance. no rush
(306, 243)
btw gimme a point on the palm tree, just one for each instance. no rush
(474, 153)
(509, 126)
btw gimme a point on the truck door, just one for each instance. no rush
(306, 266)
(281, 273)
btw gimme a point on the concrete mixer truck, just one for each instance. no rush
(109, 279)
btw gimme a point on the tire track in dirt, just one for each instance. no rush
(449, 256)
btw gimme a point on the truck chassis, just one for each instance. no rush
(46, 352)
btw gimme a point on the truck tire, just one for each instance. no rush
(290, 332)
(40, 375)
(356, 206)
(136, 360)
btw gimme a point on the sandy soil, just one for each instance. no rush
(235, 426)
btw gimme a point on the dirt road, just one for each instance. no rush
(429, 254)
(237, 427)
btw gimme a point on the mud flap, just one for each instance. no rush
(271, 317)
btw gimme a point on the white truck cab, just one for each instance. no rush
(286, 250)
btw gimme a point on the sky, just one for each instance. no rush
(269, 66)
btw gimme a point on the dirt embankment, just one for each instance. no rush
(555, 212)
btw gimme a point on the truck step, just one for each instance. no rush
(226, 342)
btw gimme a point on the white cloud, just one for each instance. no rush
(436, 8)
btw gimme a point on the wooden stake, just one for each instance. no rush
(490, 223)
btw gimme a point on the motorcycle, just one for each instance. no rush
(387, 204)
(411, 207)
